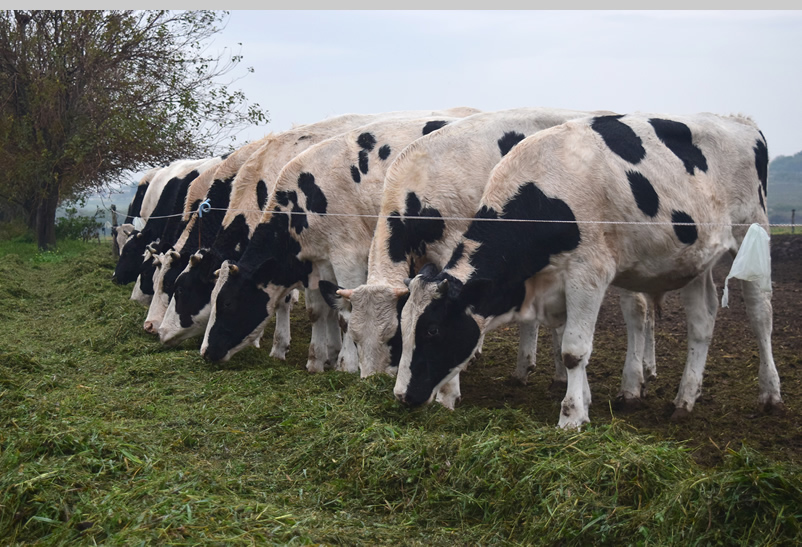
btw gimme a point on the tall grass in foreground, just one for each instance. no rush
(108, 437)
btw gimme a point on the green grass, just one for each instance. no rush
(107, 437)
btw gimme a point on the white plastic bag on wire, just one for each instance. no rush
(753, 261)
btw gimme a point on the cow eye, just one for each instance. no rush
(432, 331)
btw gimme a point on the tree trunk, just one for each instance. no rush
(46, 220)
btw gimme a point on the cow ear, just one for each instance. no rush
(475, 292)
(334, 295)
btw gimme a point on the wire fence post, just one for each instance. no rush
(793, 214)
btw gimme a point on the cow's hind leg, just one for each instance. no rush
(281, 334)
(759, 310)
(583, 301)
(527, 350)
(633, 383)
(701, 304)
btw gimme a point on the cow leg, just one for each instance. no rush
(319, 316)
(649, 361)
(281, 334)
(560, 381)
(633, 383)
(334, 340)
(701, 304)
(583, 302)
(759, 310)
(527, 350)
(348, 276)
(449, 393)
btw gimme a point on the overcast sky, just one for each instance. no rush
(309, 65)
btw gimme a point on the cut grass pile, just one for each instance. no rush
(109, 437)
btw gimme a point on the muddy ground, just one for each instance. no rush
(726, 414)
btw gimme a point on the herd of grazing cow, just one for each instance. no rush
(414, 233)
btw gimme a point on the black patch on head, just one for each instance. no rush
(288, 298)
(762, 164)
(619, 137)
(239, 309)
(512, 252)
(363, 162)
(510, 139)
(760, 197)
(433, 126)
(445, 337)
(171, 274)
(410, 235)
(396, 342)
(686, 234)
(384, 152)
(355, 174)
(366, 141)
(315, 199)
(193, 288)
(645, 195)
(175, 225)
(131, 260)
(678, 138)
(146, 277)
(261, 194)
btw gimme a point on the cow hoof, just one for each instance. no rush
(680, 415)
(315, 367)
(280, 354)
(559, 386)
(773, 408)
(627, 404)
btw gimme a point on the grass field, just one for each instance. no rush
(107, 437)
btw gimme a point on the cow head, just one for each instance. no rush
(373, 316)
(131, 260)
(189, 309)
(440, 333)
(240, 310)
(169, 265)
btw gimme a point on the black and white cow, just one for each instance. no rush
(199, 232)
(441, 178)
(135, 211)
(168, 190)
(188, 312)
(318, 224)
(648, 203)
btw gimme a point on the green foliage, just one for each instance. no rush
(89, 96)
(75, 226)
(111, 438)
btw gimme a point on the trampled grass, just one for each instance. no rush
(107, 437)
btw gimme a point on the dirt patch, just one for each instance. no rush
(726, 414)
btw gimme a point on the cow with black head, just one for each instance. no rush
(648, 203)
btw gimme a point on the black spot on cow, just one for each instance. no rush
(366, 141)
(384, 152)
(261, 194)
(355, 174)
(684, 227)
(395, 343)
(193, 288)
(135, 207)
(456, 254)
(232, 237)
(762, 164)
(678, 138)
(411, 235)
(510, 139)
(304, 137)
(433, 126)
(760, 197)
(620, 138)
(511, 252)
(146, 277)
(645, 195)
(363, 161)
(315, 199)
(298, 220)
(176, 267)
(225, 156)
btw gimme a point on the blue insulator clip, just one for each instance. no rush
(204, 207)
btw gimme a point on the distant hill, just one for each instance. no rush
(785, 188)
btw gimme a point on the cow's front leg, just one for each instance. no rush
(320, 318)
(281, 334)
